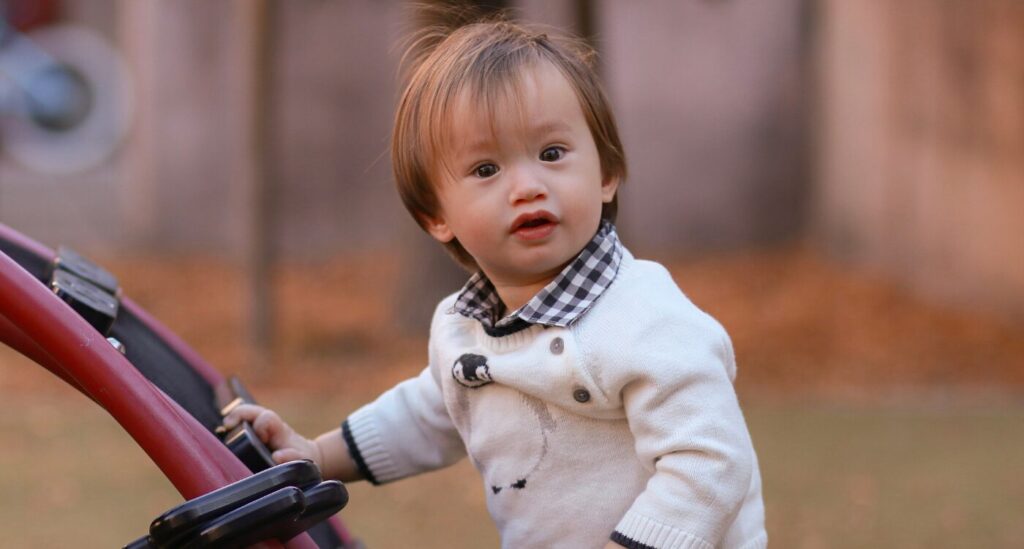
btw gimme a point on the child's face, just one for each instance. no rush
(524, 199)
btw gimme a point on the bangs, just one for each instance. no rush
(485, 90)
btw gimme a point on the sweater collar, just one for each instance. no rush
(570, 294)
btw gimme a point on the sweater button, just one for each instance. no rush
(557, 346)
(581, 395)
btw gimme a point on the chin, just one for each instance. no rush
(545, 265)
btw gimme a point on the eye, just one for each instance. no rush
(483, 171)
(552, 154)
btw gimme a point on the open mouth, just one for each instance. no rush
(534, 224)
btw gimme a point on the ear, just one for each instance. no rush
(608, 188)
(438, 228)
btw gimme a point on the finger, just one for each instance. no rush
(271, 429)
(242, 412)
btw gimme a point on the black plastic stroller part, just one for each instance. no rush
(90, 290)
(170, 528)
(247, 446)
(322, 502)
(270, 516)
(242, 440)
(38, 267)
(260, 520)
(273, 517)
(73, 262)
(166, 369)
(91, 302)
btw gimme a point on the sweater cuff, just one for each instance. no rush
(636, 531)
(367, 448)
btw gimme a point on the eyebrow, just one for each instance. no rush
(476, 147)
(544, 128)
(550, 127)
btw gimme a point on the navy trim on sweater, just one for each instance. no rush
(517, 325)
(628, 543)
(357, 456)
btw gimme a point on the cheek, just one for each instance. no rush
(584, 207)
(473, 226)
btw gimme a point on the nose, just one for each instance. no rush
(525, 186)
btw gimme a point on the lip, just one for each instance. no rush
(520, 229)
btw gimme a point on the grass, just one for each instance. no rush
(909, 475)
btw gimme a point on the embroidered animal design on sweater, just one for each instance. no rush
(471, 371)
(533, 449)
(510, 468)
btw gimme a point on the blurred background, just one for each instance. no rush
(840, 183)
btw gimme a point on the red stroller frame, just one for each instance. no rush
(175, 433)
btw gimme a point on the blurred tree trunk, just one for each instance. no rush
(427, 275)
(252, 170)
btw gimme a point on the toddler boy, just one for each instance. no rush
(593, 397)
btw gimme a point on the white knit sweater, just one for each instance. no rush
(624, 424)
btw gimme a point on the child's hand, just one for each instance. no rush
(284, 443)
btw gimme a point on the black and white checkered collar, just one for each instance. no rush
(562, 301)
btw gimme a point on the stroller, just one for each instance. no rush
(69, 316)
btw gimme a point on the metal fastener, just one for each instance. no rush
(116, 343)
(557, 346)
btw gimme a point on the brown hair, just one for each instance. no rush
(458, 52)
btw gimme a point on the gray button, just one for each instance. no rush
(581, 395)
(557, 346)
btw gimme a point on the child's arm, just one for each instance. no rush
(328, 450)
(688, 427)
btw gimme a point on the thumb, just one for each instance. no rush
(287, 454)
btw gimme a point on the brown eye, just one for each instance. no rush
(552, 154)
(484, 171)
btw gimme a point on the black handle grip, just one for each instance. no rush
(253, 522)
(181, 521)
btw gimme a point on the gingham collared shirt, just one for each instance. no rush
(562, 301)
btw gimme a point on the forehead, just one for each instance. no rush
(536, 99)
